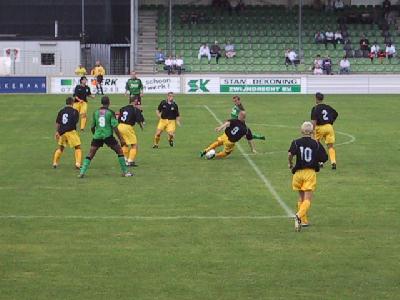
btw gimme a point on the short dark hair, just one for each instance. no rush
(83, 77)
(69, 101)
(319, 96)
(105, 100)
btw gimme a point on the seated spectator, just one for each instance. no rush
(216, 51)
(338, 5)
(178, 64)
(194, 18)
(381, 55)
(319, 38)
(287, 61)
(327, 65)
(184, 18)
(230, 50)
(292, 58)
(317, 67)
(344, 66)
(364, 43)
(169, 65)
(159, 56)
(330, 38)
(204, 51)
(390, 51)
(373, 53)
(338, 37)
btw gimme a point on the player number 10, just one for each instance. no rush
(306, 154)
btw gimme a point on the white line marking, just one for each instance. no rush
(264, 179)
(145, 218)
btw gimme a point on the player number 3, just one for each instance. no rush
(124, 116)
(306, 154)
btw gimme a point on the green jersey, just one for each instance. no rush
(104, 122)
(134, 86)
(236, 110)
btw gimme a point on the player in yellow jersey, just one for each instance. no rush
(98, 72)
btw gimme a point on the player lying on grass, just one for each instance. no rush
(235, 129)
(309, 153)
(81, 92)
(66, 134)
(103, 126)
(323, 116)
(128, 116)
(168, 113)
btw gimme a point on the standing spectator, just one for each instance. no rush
(216, 51)
(318, 65)
(381, 56)
(390, 51)
(230, 50)
(319, 38)
(338, 37)
(344, 66)
(204, 51)
(179, 64)
(99, 72)
(387, 5)
(80, 70)
(364, 43)
(287, 60)
(330, 38)
(169, 65)
(374, 51)
(338, 5)
(327, 65)
(159, 56)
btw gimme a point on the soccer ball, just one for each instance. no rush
(210, 154)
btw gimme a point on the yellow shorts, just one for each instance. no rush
(228, 145)
(70, 138)
(81, 107)
(325, 132)
(127, 133)
(304, 180)
(167, 125)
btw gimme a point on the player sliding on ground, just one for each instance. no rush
(104, 123)
(168, 112)
(309, 154)
(128, 116)
(235, 129)
(323, 116)
(66, 134)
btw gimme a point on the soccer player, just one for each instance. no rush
(235, 129)
(135, 88)
(323, 116)
(309, 154)
(98, 71)
(168, 112)
(128, 116)
(81, 92)
(66, 134)
(103, 126)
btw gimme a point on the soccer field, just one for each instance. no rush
(188, 228)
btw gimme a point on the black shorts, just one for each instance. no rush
(249, 134)
(110, 142)
(99, 79)
(139, 99)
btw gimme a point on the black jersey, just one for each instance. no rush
(236, 130)
(67, 118)
(82, 92)
(309, 153)
(323, 114)
(130, 115)
(168, 111)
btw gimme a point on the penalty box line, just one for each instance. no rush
(256, 169)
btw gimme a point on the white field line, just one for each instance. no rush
(141, 218)
(263, 178)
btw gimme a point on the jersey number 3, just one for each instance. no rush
(124, 116)
(306, 154)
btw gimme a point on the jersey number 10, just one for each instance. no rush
(306, 154)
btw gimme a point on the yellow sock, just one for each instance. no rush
(304, 207)
(125, 150)
(332, 155)
(222, 154)
(132, 154)
(213, 146)
(156, 139)
(83, 122)
(57, 156)
(78, 157)
(304, 219)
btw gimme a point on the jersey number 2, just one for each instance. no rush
(306, 154)
(325, 115)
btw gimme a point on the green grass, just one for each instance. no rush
(352, 250)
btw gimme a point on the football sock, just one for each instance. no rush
(57, 156)
(121, 160)
(132, 154)
(304, 219)
(85, 166)
(257, 136)
(157, 139)
(213, 146)
(170, 138)
(222, 154)
(332, 155)
(125, 150)
(83, 122)
(78, 157)
(304, 207)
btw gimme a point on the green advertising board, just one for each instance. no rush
(260, 85)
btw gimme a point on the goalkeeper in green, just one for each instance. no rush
(134, 87)
(103, 125)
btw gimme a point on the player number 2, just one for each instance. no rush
(102, 121)
(234, 130)
(124, 116)
(306, 154)
(325, 115)
(65, 119)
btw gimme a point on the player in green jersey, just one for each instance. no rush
(134, 87)
(103, 125)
